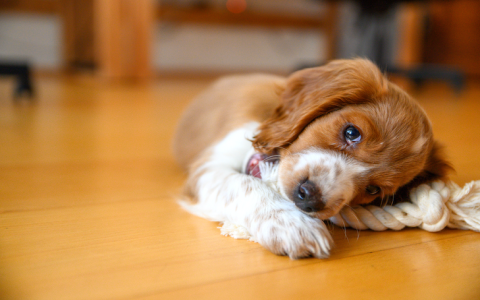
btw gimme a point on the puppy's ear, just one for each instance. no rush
(312, 93)
(436, 168)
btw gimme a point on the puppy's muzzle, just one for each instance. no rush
(308, 197)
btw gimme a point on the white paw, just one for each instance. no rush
(293, 233)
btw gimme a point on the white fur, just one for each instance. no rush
(224, 194)
(331, 171)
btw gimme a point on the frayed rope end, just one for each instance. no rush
(464, 206)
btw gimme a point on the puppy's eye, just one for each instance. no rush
(352, 134)
(372, 189)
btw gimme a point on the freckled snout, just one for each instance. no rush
(308, 197)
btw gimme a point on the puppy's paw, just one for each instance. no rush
(295, 234)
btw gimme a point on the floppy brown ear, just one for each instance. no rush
(312, 93)
(436, 168)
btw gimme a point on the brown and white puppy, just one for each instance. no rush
(341, 133)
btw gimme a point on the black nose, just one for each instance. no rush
(308, 197)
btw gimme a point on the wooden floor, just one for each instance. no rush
(88, 211)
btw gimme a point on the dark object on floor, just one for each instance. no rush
(23, 74)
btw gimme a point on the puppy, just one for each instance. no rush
(342, 134)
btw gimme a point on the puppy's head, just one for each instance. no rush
(346, 136)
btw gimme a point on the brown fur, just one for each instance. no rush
(315, 92)
(318, 102)
(228, 104)
(310, 109)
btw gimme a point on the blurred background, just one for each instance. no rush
(88, 182)
(145, 38)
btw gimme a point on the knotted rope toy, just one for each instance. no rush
(432, 207)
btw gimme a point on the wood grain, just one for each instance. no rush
(88, 209)
(123, 37)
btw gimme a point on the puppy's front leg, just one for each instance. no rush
(222, 193)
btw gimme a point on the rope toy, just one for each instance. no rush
(433, 207)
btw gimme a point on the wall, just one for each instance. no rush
(31, 37)
(177, 47)
(214, 48)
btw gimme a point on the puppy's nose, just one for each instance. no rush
(308, 197)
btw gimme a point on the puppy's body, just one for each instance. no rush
(343, 135)
(227, 105)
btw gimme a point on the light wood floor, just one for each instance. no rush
(88, 211)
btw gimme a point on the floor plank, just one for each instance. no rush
(88, 208)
